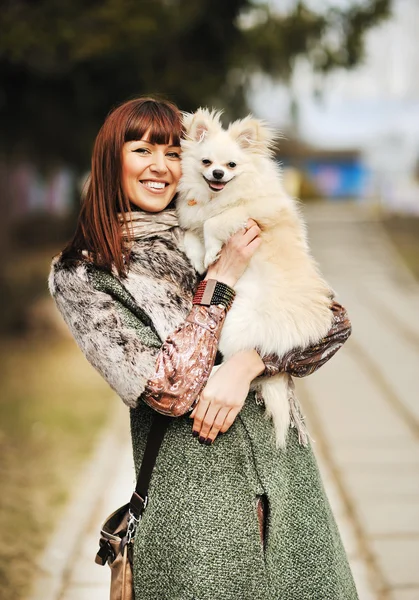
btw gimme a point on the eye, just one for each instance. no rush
(173, 154)
(231, 165)
(141, 150)
(206, 162)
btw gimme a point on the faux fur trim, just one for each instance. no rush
(104, 321)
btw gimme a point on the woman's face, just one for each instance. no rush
(150, 173)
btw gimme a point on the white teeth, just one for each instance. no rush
(158, 185)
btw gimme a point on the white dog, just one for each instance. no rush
(282, 301)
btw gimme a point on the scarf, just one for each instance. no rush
(140, 225)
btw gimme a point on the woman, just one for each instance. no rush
(229, 515)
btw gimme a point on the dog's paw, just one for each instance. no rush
(211, 256)
(194, 250)
(198, 264)
(197, 261)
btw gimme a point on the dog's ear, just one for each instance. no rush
(199, 124)
(253, 135)
(187, 120)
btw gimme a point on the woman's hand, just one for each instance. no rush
(236, 254)
(223, 397)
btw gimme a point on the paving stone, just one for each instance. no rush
(86, 573)
(349, 540)
(335, 500)
(362, 579)
(406, 594)
(360, 409)
(382, 517)
(93, 592)
(372, 483)
(388, 350)
(407, 305)
(349, 404)
(398, 559)
(378, 453)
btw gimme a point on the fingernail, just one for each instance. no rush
(208, 442)
(201, 440)
(195, 433)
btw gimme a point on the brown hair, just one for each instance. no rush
(99, 230)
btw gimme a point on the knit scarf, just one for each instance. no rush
(140, 225)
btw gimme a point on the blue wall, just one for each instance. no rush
(337, 178)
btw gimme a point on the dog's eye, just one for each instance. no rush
(206, 162)
(231, 165)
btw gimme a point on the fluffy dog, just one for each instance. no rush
(282, 301)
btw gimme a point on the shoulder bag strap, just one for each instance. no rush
(155, 437)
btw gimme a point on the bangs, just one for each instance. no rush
(163, 122)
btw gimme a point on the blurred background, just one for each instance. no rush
(339, 79)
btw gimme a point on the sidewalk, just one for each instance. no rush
(363, 412)
(363, 407)
(67, 570)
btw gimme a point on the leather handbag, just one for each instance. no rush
(118, 531)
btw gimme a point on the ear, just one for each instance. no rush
(253, 135)
(198, 125)
(187, 120)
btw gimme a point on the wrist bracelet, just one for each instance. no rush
(211, 291)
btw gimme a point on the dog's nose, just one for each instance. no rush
(218, 174)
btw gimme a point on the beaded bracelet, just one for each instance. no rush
(211, 291)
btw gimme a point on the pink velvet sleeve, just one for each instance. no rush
(185, 361)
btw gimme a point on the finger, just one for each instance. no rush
(193, 412)
(201, 409)
(208, 422)
(251, 234)
(255, 243)
(250, 223)
(229, 420)
(218, 423)
(252, 247)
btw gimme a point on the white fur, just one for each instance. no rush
(282, 301)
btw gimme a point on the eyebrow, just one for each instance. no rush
(151, 144)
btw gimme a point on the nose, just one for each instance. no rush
(218, 174)
(159, 163)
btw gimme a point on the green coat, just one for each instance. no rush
(199, 537)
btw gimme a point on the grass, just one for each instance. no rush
(23, 282)
(404, 233)
(52, 407)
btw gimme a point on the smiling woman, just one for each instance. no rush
(150, 172)
(229, 515)
(140, 142)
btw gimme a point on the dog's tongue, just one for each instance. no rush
(217, 186)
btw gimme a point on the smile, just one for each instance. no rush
(154, 186)
(216, 186)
